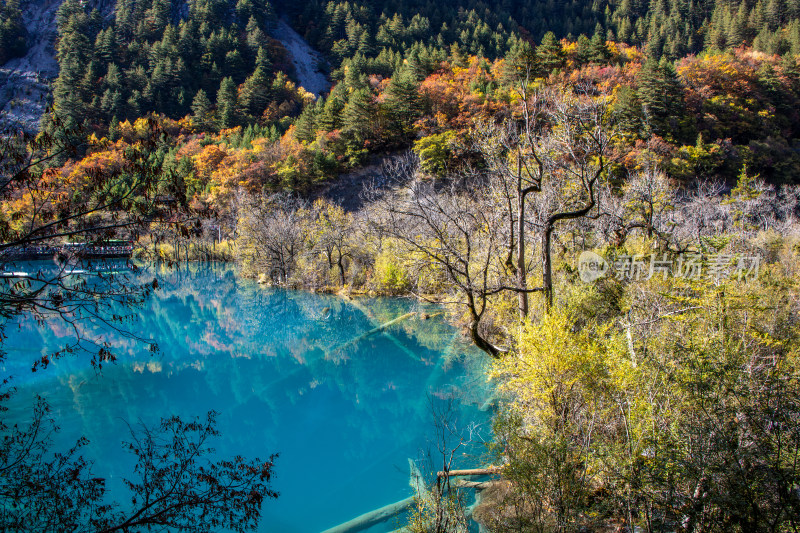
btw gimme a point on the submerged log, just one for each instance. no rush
(378, 329)
(477, 485)
(489, 470)
(372, 518)
(383, 326)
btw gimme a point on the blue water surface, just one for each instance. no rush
(288, 373)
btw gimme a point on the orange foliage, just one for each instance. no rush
(455, 105)
(718, 73)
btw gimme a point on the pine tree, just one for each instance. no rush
(12, 31)
(202, 110)
(330, 118)
(304, 125)
(356, 118)
(263, 61)
(520, 62)
(583, 50)
(661, 95)
(402, 100)
(550, 53)
(226, 103)
(598, 50)
(255, 96)
(74, 57)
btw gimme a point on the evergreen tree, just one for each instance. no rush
(661, 95)
(520, 62)
(550, 53)
(402, 100)
(202, 110)
(583, 50)
(254, 96)
(74, 57)
(357, 119)
(227, 104)
(262, 60)
(304, 125)
(598, 50)
(330, 118)
(12, 31)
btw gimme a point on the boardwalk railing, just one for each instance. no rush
(89, 251)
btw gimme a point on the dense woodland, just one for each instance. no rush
(12, 31)
(499, 141)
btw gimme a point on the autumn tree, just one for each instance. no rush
(270, 232)
(331, 234)
(113, 193)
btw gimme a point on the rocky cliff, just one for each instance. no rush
(24, 81)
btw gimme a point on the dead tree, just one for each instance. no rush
(449, 231)
(557, 149)
(516, 152)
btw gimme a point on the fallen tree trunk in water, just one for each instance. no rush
(379, 329)
(372, 518)
(470, 472)
(477, 485)
(382, 327)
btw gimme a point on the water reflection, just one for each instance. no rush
(283, 370)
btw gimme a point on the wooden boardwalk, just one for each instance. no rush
(84, 251)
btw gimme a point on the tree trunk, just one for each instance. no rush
(372, 518)
(547, 268)
(480, 342)
(341, 268)
(470, 472)
(522, 278)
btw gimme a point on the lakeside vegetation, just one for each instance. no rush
(502, 142)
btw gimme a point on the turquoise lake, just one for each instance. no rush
(288, 373)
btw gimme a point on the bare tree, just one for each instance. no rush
(270, 233)
(648, 204)
(449, 229)
(330, 231)
(559, 151)
(517, 155)
(440, 505)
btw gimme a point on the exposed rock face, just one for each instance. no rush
(25, 81)
(306, 60)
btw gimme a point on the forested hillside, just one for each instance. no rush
(214, 61)
(152, 58)
(12, 31)
(490, 145)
